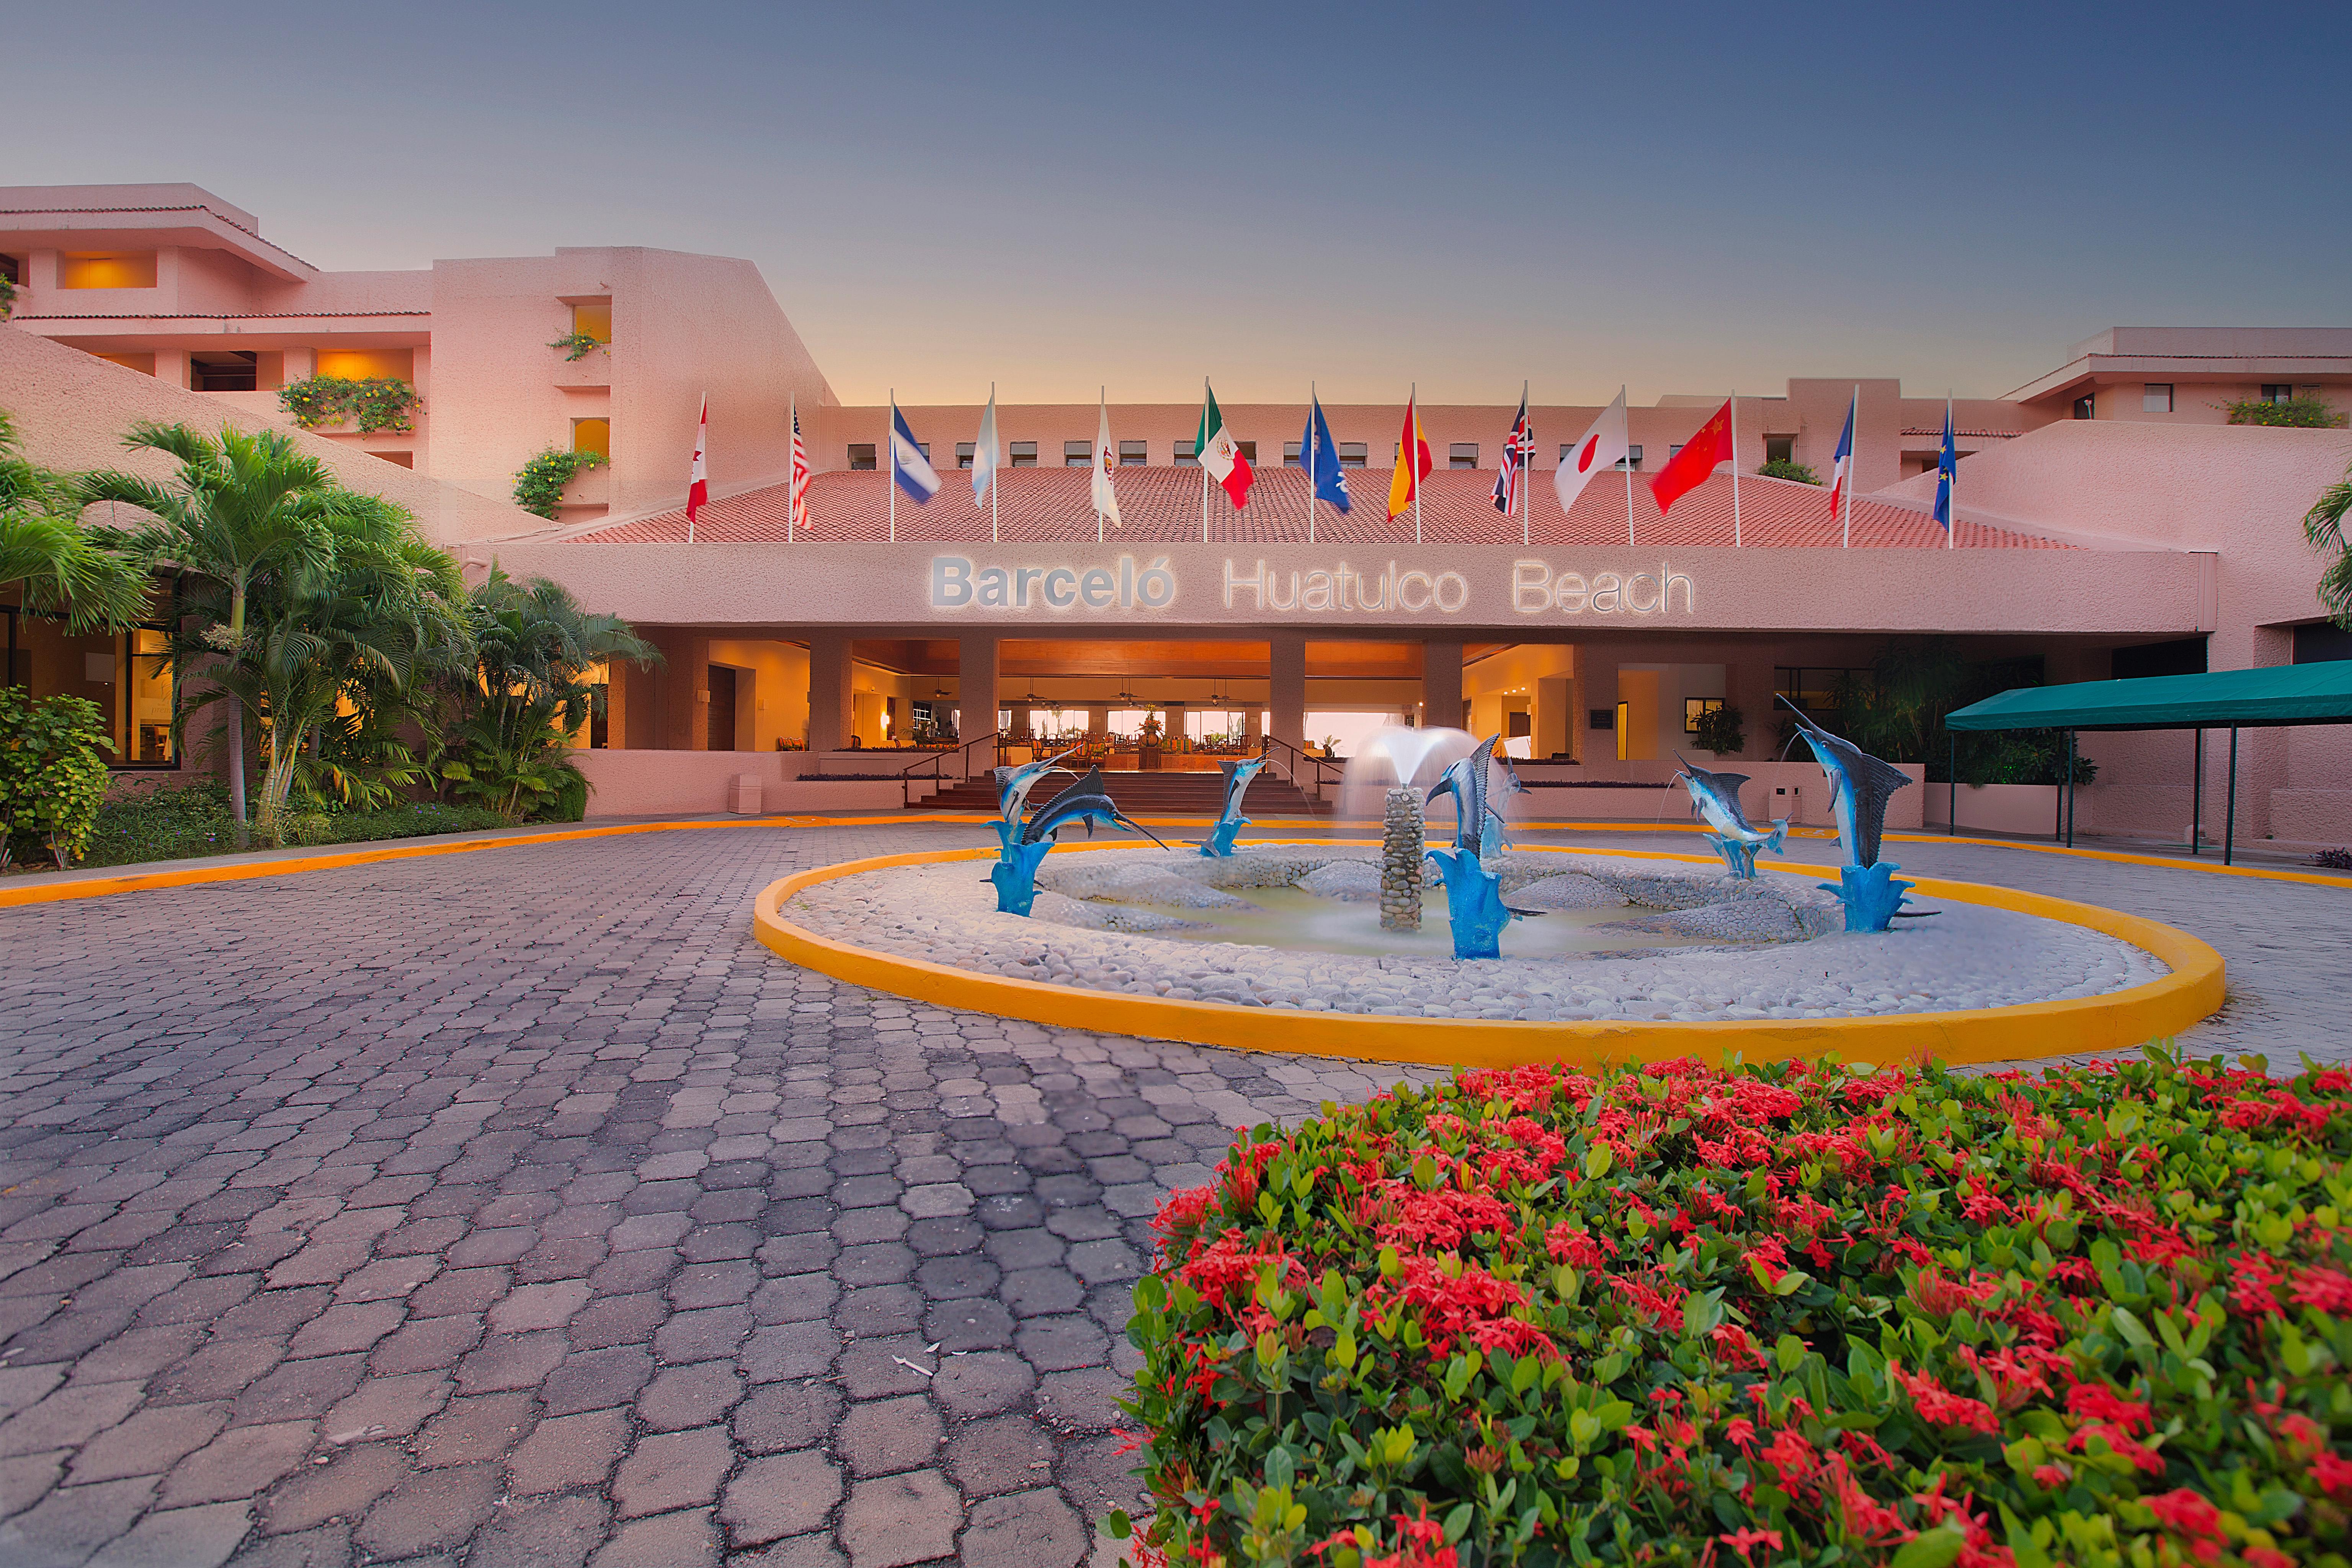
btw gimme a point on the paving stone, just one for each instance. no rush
(341, 1488)
(551, 1532)
(241, 1462)
(426, 1344)
(1001, 1454)
(25, 1478)
(297, 1389)
(328, 1546)
(687, 1539)
(386, 1407)
(881, 1436)
(484, 1427)
(511, 1360)
(781, 1415)
(985, 1382)
(794, 1552)
(149, 1443)
(439, 1509)
(73, 1523)
(672, 1470)
(592, 1380)
(1022, 1530)
(784, 1494)
(67, 1417)
(179, 1538)
(899, 1519)
(567, 1451)
(683, 1396)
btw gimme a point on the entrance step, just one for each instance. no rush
(1150, 795)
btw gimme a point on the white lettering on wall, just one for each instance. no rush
(955, 585)
(1536, 589)
(1343, 588)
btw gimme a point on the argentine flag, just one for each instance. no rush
(909, 470)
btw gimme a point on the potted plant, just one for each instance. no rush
(1147, 750)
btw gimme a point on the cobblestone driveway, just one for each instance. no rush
(519, 1208)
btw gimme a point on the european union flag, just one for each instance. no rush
(1322, 457)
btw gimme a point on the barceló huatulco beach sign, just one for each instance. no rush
(1131, 585)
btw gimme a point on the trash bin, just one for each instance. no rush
(744, 800)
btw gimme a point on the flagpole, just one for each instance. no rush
(1102, 407)
(1627, 463)
(1310, 462)
(1854, 459)
(995, 472)
(1734, 471)
(1201, 458)
(890, 441)
(795, 432)
(1951, 496)
(1527, 466)
(1412, 411)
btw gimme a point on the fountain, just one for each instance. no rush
(1474, 899)
(1859, 786)
(1715, 798)
(1391, 761)
(1023, 846)
(1402, 840)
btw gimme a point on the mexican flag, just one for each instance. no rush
(1220, 454)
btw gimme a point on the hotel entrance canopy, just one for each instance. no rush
(2220, 699)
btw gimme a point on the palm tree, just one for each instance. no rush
(248, 514)
(2324, 526)
(45, 551)
(533, 649)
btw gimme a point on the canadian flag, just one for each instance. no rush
(1604, 446)
(698, 480)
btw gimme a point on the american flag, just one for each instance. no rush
(799, 477)
(1517, 452)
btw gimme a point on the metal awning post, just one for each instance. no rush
(2229, 827)
(2197, 802)
(2070, 789)
(1952, 810)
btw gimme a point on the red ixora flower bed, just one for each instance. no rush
(1794, 1313)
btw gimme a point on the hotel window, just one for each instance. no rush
(12, 270)
(1024, 454)
(593, 318)
(1290, 457)
(1779, 448)
(397, 460)
(369, 364)
(596, 436)
(1077, 454)
(1632, 459)
(1693, 707)
(1461, 455)
(1352, 454)
(2278, 392)
(1186, 455)
(2086, 406)
(223, 370)
(106, 269)
(964, 450)
(1133, 454)
(1674, 450)
(127, 674)
(861, 456)
(1248, 449)
(2156, 397)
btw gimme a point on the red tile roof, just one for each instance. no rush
(1164, 504)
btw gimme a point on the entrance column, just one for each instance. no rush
(976, 692)
(829, 701)
(1441, 685)
(1287, 689)
(685, 691)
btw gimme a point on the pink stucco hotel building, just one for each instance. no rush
(2112, 522)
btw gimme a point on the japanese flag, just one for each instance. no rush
(1603, 447)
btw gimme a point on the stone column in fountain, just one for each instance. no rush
(1401, 861)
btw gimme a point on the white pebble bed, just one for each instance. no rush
(1965, 956)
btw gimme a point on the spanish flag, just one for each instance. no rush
(1413, 464)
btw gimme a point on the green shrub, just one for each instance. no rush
(2296, 412)
(377, 403)
(51, 776)
(1675, 1314)
(1722, 730)
(189, 820)
(539, 484)
(570, 801)
(1789, 468)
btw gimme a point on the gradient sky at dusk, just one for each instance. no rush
(1684, 197)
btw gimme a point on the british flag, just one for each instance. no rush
(1518, 453)
(799, 521)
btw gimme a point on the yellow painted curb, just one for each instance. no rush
(2118, 1020)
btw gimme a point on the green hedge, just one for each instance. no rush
(1789, 1314)
(178, 823)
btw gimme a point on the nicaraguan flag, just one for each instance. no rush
(909, 466)
(1323, 458)
(1947, 464)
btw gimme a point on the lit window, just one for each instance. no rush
(1186, 456)
(1290, 457)
(1077, 454)
(1461, 455)
(106, 269)
(2278, 392)
(369, 364)
(596, 436)
(1024, 454)
(2156, 397)
(593, 318)
(12, 270)
(1352, 454)
(144, 363)
(861, 456)
(1132, 454)
(964, 450)
(1694, 707)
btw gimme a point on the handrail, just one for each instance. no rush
(937, 759)
(1319, 764)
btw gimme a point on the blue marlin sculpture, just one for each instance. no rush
(1230, 819)
(1026, 845)
(1497, 834)
(1715, 798)
(1473, 900)
(1860, 785)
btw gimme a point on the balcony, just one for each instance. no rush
(591, 486)
(593, 372)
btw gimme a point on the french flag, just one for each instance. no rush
(1841, 465)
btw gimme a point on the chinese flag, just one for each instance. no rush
(1683, 473)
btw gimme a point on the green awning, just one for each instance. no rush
(2220, 700)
